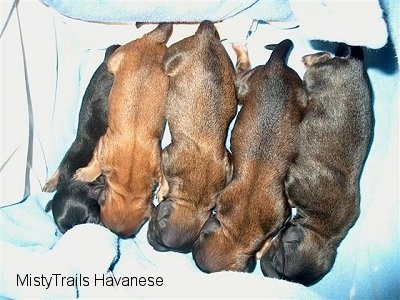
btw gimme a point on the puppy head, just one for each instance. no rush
(215, 250)
(175, 226)
(74, 204)
(125, 217)
(300, 255)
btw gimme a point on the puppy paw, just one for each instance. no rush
(85, 175)
(163, 189)
(242, 58)
(51, 184)
(311, 59)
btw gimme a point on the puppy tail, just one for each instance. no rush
(208, 28)
(280, 51)
(161, 33)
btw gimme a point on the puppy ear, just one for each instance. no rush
(163, 210)
(172, 62)
(161, 33)
(210, 226)
(114, 61)
(294, 234)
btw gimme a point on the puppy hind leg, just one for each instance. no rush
(311, 59)
(242, 58)
(51, 184)
(89, 173)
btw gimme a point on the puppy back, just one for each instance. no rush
(208, 28)
(161, 33)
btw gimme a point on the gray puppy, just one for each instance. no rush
(323, 182)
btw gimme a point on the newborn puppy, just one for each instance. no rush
(253, 207)
(129, 153)
(323, 182)
(201, 104)
(76, 202)
(91, 126)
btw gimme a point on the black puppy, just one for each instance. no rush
(323, 182)
(76, 202)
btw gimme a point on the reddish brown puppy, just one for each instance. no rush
(323, 181)
(253, 207)
(129, 154)
(201, 104)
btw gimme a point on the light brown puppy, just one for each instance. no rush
(201, 105)
(129, 154)
(253, 207)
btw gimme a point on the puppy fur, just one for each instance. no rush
(201, 105)
(323, 182)
(76, 202)
(129, 153)
(253, 207)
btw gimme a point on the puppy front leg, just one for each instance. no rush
(90, 172)
(164, 188)
(265, 246)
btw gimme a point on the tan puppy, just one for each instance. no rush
(201, 104)
(129, 154)
(323, 181)
(253, 207)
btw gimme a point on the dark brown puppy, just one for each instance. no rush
(253, 207)
(129, 153)
(76, 202)
(323, 182)
(201, 104)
